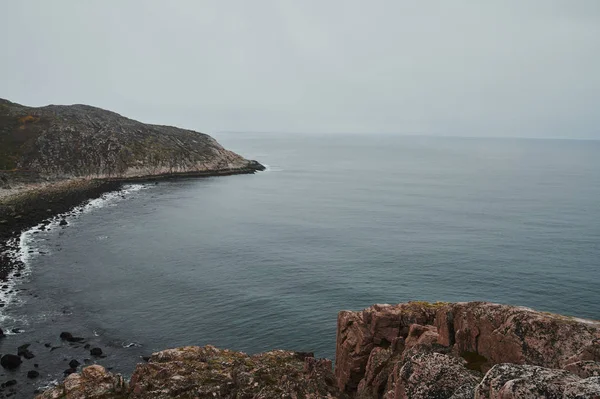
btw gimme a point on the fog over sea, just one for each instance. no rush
(257, 262)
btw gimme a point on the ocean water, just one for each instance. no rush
(256, 262)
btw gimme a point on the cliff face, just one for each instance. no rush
(466, 350)
(60, 141)
(413, 350)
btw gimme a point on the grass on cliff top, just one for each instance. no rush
(434, 305)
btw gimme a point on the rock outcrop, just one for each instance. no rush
(413, 350)
(420, 350)
(207, 372)
(93, 382)
(58, 141)
(508, 381)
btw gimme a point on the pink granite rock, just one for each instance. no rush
(584, 368)
(508, 381)
(378, 326)
(378, 340)
(511, 334)
(433, 375)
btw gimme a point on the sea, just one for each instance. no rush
(336, 222)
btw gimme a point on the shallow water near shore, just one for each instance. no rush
(256, 262)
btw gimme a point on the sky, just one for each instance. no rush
(515, 68)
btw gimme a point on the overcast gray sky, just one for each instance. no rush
(476, 68)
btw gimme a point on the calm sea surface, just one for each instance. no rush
(263, 261)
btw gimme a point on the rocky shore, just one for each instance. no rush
(54, 159)
(411, 350)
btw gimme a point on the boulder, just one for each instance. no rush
(33, 374)
(93, 382)
(74, 364)
(433, 375)
(96, 352)
(67, 336)
(8, 383)
(24, 351)
(10, 361)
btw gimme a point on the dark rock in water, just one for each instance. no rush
(67, 336)
(69, 371)
(36, 365)
(74, 364)
(63, 222)
(9, 383)
(86, 346)
(17, 330)
(25, 352)
(18, 274)
(146, 358)
(47, 344)
(33, 374)
(10, 361)
(2, 333)
(96, 352)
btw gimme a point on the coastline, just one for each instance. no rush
(412, 350)
(37, 206)
(40, 202)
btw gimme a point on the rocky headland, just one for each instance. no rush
(55, 157)
(411, 350)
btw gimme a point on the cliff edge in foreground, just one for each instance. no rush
(70, 141)
(412, 350)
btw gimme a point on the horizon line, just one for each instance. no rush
(409, 135)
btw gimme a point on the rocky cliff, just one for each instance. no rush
(412, 350)
(58, 141)
(466, 350)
